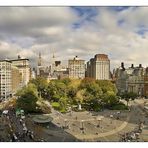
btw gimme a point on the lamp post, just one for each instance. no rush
(65, 126)
(111, 116)
(118, 114)
(99, 122)
(82, 126)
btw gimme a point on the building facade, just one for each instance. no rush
(136, 80)
(99, 67)
(24, 68)
(130, 79)
(5, 79)
(16, 79)
(146, 83)
(76, 68)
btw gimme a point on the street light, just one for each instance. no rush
(66, 126)
(99, 122)
(118, 114)
(82, 125)
(111, 116)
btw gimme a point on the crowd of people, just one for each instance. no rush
(132, 136)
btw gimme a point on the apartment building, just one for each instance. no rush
(24, 68)
(5, 79)
(76, 68)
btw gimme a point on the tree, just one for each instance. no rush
(63, 104)
(57, 89)
(42, 85)
(93, 90)
(66, 81)
(107, 86)
(89, 92)
(80, 95)
(132, 95)
(27, 98)
(128, 95)
(109, 99)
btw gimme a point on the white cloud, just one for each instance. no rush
(26, 31)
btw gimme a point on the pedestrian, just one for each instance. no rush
(31, 136)
(25, 130)
(32, 133)
(24, 125)
(21, 121)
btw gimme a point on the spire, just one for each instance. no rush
(39, 59)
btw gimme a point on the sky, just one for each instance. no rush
(119, 32)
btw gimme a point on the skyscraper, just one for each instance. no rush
(76, 68)
(99, 67)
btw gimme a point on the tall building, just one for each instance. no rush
(76, 68)
(15, 79)
(40, 67)
(24, 68)
(5, 79)
(99, 67)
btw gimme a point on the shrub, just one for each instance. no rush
(55, 105)
(119, 106)
(63, 110)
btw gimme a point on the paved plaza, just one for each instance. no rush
(90, 126)
(105, 126)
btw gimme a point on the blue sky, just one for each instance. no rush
(120, 32)
(85, 13)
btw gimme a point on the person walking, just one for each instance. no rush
(21, 121)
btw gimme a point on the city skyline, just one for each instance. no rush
(82, 31)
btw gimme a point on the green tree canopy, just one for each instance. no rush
(107, 86)
(41, 84)
(27, 98)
